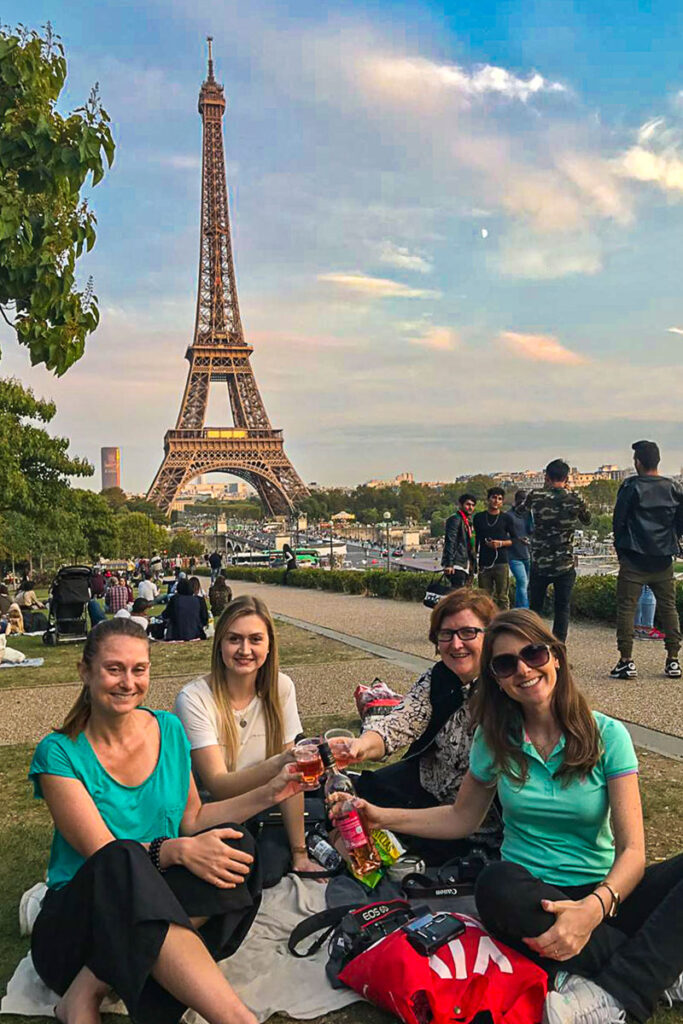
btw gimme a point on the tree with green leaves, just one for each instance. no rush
(34, 466)
(45, 224)
(184, 542)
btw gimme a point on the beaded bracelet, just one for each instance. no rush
(154, 852)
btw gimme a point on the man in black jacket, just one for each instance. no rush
(647, 524)
(458, 561)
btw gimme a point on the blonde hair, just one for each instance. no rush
(79, 714)
(266, 680)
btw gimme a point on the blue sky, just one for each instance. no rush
(457, 228)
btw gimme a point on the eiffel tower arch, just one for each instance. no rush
(251, 448)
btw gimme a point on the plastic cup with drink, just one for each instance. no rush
(340, 744)
(308, 761)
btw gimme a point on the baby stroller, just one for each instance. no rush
(69, 596)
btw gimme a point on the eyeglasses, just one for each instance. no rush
(444, 636)
(533, 655)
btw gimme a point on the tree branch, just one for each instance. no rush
(4, 317)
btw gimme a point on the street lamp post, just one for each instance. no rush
(387, 519)
(331, 548)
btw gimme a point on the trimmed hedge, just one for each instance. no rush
(594, 597)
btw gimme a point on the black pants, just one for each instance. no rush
(113, 917)
(562, 588)
(458, 578)
(398, 785)
(634, 956)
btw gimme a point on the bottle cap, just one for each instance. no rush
(326, 754)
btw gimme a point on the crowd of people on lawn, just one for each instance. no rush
(154, 874)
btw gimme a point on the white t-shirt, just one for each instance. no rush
(147, 589)
(141, 620)
(197, 710)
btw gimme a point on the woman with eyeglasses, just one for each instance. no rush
(434, 722)
(572, 890)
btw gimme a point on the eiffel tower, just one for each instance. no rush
(251, 448)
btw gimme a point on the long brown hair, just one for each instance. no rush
(501, 718)
(79, 714)
(266, 680)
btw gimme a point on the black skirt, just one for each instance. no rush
(113, 916)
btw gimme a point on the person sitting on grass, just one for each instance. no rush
(186, 614)
(241, 719)
(572, 890)
(435, 718)
(147, 886)
(139, 613)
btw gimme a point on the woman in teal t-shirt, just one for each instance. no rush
(573, 851)
(147, 887)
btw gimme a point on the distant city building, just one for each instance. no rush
(111, 467)
(402, 478)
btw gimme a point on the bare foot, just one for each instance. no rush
(81, 1002)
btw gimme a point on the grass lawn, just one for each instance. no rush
(297, 647)
(25, 832)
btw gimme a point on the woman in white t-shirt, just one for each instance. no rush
(241, 719)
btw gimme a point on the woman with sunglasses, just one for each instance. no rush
(434, 722)
(571, 890)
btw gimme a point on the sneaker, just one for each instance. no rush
(652, 634)
(674, 994)
(672, 669)
(579, 1001)
(624, 669)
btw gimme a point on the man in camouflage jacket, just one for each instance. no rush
(556, 511)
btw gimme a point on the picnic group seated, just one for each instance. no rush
(503, 754)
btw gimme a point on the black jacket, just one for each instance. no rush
(457, 547)
(648, 516)
(187, 615)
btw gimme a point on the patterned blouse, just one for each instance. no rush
(445, 763)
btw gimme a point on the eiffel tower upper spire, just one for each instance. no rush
(218, 316)
(250, 448)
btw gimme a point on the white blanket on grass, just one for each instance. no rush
(262, 971)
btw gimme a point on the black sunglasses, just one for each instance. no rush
(444, 636)
(534, 655)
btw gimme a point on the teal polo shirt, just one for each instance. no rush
(154, 808)
(560, 832)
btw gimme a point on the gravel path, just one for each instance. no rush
(327, 688)
(652, 700)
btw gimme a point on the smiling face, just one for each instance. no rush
(462, 656)
(530, 687)
(245, 645)
(118, 677)
(495, 503)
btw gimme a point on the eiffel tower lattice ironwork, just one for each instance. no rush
(251, 449)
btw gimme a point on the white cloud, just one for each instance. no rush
(181, 161)
(675, 330)
(402, 257)
(540, 348)
(443, 339)
(657, 157)
(523, 255)
(419, 78)
(377, 287)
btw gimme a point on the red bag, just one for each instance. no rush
(375, 699)
(471, 974)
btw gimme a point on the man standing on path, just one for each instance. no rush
(458, 560)
(647, 525)
(556, 511)
(215, 561)
(520, 552)
(493, 531)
